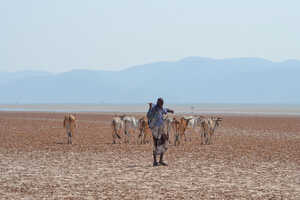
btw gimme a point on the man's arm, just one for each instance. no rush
(150, 110)
(169, 110)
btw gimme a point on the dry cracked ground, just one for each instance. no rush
(252, 157)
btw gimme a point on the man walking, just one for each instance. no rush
(156, 124)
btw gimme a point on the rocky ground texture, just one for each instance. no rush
(252, 157)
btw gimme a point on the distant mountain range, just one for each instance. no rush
(190, 80)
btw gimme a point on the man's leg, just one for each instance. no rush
(163, 144)
(155, 143)
(155, 163)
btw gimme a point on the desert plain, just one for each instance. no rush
(251, 157)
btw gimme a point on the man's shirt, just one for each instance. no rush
(158, 119)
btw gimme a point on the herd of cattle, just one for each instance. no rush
(126, 127)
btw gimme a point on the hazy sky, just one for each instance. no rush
(60, 35)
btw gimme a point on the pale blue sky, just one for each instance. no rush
(60, 35)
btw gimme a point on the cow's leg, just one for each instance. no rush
(128, 137)
(145, 141)
(206, 138)
(118, 136)
(70, 137)
(179, 138)
(201, 133)
(184, 136)
(168, 133)
(125, 139)
(125, 136)
(176, 138)
(140, 137)
(175, 141)
(211, 137)
(114, 137)
(126, 133)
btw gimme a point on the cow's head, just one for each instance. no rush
(217, 120)
(122, 116)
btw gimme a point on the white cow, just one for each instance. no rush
(117, 126)
(169, 128)
(131, 125)
(194, 124)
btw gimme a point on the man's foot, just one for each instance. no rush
(163, 163)
(155, 164)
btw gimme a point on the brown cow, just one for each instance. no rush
(180, 128)
(145, 132)
(69, 125)
(208, 126)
